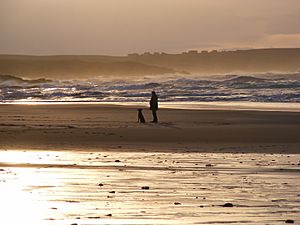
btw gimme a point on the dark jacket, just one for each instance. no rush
(154, 103)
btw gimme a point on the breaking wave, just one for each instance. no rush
(266, 87)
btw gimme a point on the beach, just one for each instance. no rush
(93, 126)
(94, 164)
(149, 112)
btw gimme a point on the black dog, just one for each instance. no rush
(141, 117)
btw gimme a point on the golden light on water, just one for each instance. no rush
(62, 187)
(17, 205)
(20, 202)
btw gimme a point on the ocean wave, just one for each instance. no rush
(231, 87)
(9, 80)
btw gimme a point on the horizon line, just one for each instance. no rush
(154, 52)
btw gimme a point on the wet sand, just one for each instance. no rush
(91, 164)
(60, 187)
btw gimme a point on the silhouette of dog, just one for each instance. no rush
(141, 118)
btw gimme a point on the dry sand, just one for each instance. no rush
(94, 164)
(83, 127)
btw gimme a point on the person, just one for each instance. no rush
(154, 106)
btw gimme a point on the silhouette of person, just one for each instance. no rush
(154, 106)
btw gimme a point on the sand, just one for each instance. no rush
(94, 164)
(56, 127)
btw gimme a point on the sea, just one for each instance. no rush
(270, 88)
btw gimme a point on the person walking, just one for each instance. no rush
(154, 106)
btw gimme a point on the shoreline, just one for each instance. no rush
(222, 105)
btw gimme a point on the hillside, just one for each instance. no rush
(256, 60)
(67, 67)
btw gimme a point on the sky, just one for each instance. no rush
(119, 27)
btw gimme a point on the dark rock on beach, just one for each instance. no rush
(228, 205)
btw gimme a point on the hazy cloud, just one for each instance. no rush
(123, 26)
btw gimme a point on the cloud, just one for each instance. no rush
(284, 24)
(281, 41)
(119, 27)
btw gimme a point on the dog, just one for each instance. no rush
(141, 118)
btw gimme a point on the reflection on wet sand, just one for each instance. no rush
(75, 187)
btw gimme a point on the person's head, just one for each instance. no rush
(153, 93)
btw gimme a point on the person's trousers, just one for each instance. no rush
(154, 116)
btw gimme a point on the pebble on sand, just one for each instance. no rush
(94, 217)
(228, 205)
(117, 160)
(145, 188)
(289, 221)
(177, 203)
(72, 201)
(100, 184)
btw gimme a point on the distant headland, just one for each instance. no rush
(190, 62)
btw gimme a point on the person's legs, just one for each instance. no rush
(154, 116)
